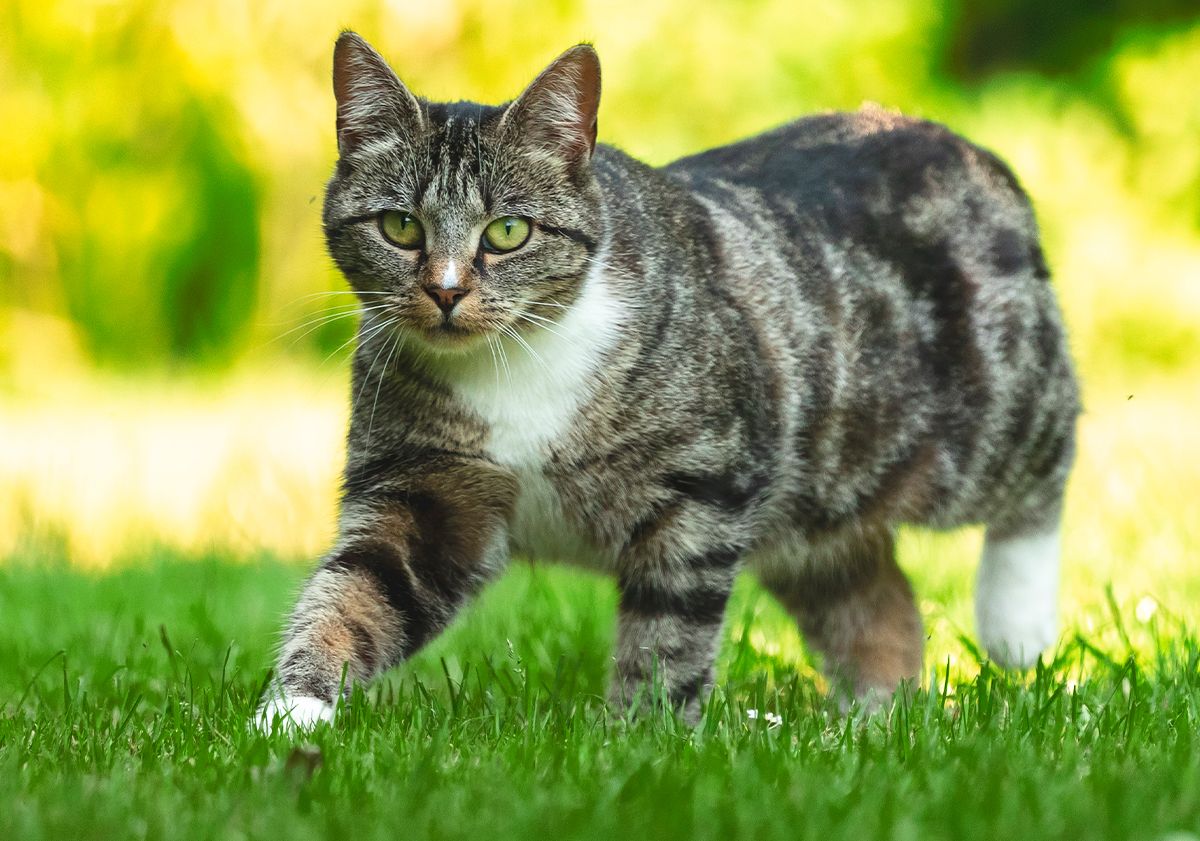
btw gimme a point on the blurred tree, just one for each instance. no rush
(987, 36)
(161, 261)
(153, 212)
(160, 175)
(210, 271)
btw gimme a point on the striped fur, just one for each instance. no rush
(764, 357)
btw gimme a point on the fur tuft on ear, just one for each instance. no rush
(372, 102)
(558, 110)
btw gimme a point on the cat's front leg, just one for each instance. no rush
(409, 555)
(672, 606)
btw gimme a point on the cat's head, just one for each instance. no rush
(456, 220)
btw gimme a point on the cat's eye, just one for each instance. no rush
(401, 229)
(507, 233)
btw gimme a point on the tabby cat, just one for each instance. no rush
(763, 357)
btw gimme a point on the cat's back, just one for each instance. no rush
(849, 158)
(850, 199)
(906, 263)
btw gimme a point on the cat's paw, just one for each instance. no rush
(1016, 626)
(1016, 598)
(1016, 642)
(292, 713)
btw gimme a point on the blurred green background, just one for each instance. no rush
(161, 171)
(162, 163)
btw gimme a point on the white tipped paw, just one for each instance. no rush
(1015, 630)
(1017, 645)
(1016, 598)
(292, 713)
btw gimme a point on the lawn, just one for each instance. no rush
(153, 532)
(132, 653)
(126, 696)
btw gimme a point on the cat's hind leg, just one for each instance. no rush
(1016, 592)
(856, 608)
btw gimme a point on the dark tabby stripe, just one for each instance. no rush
(684, 598)
(726, 491)
(573, 234)
(696, 604)
(422, 612)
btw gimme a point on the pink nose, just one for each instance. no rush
(446, 299)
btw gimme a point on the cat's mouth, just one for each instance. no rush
(452, 334)
(444, 330)
(450, 329)
(463, 329)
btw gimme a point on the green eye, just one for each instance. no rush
(506, 233)
(400, 228)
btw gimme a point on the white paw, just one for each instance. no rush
(1016, 644)
(292, 713)
(1016, 598)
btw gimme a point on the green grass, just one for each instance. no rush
(125, 698)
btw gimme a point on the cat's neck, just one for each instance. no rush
(528, 390)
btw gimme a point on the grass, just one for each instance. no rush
(126, 696)
(129, 671)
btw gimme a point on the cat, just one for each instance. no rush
(763, 357)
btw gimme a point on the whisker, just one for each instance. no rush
(379, 386)
(332, 292)
(336, 351)
(517, 337)
(540, 318)
(504, 360)
(375, 360)
(357, 336)
(495, 364)
(340, 309)
(322, 320)
(543, 324)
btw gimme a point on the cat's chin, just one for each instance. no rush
(451, 338)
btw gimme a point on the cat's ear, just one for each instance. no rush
(558, 111)
(372, 102)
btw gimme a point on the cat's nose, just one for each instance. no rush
(446, 299)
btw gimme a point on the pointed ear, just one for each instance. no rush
(372, 102)
(558, 111)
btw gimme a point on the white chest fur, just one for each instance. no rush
(529, 400)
